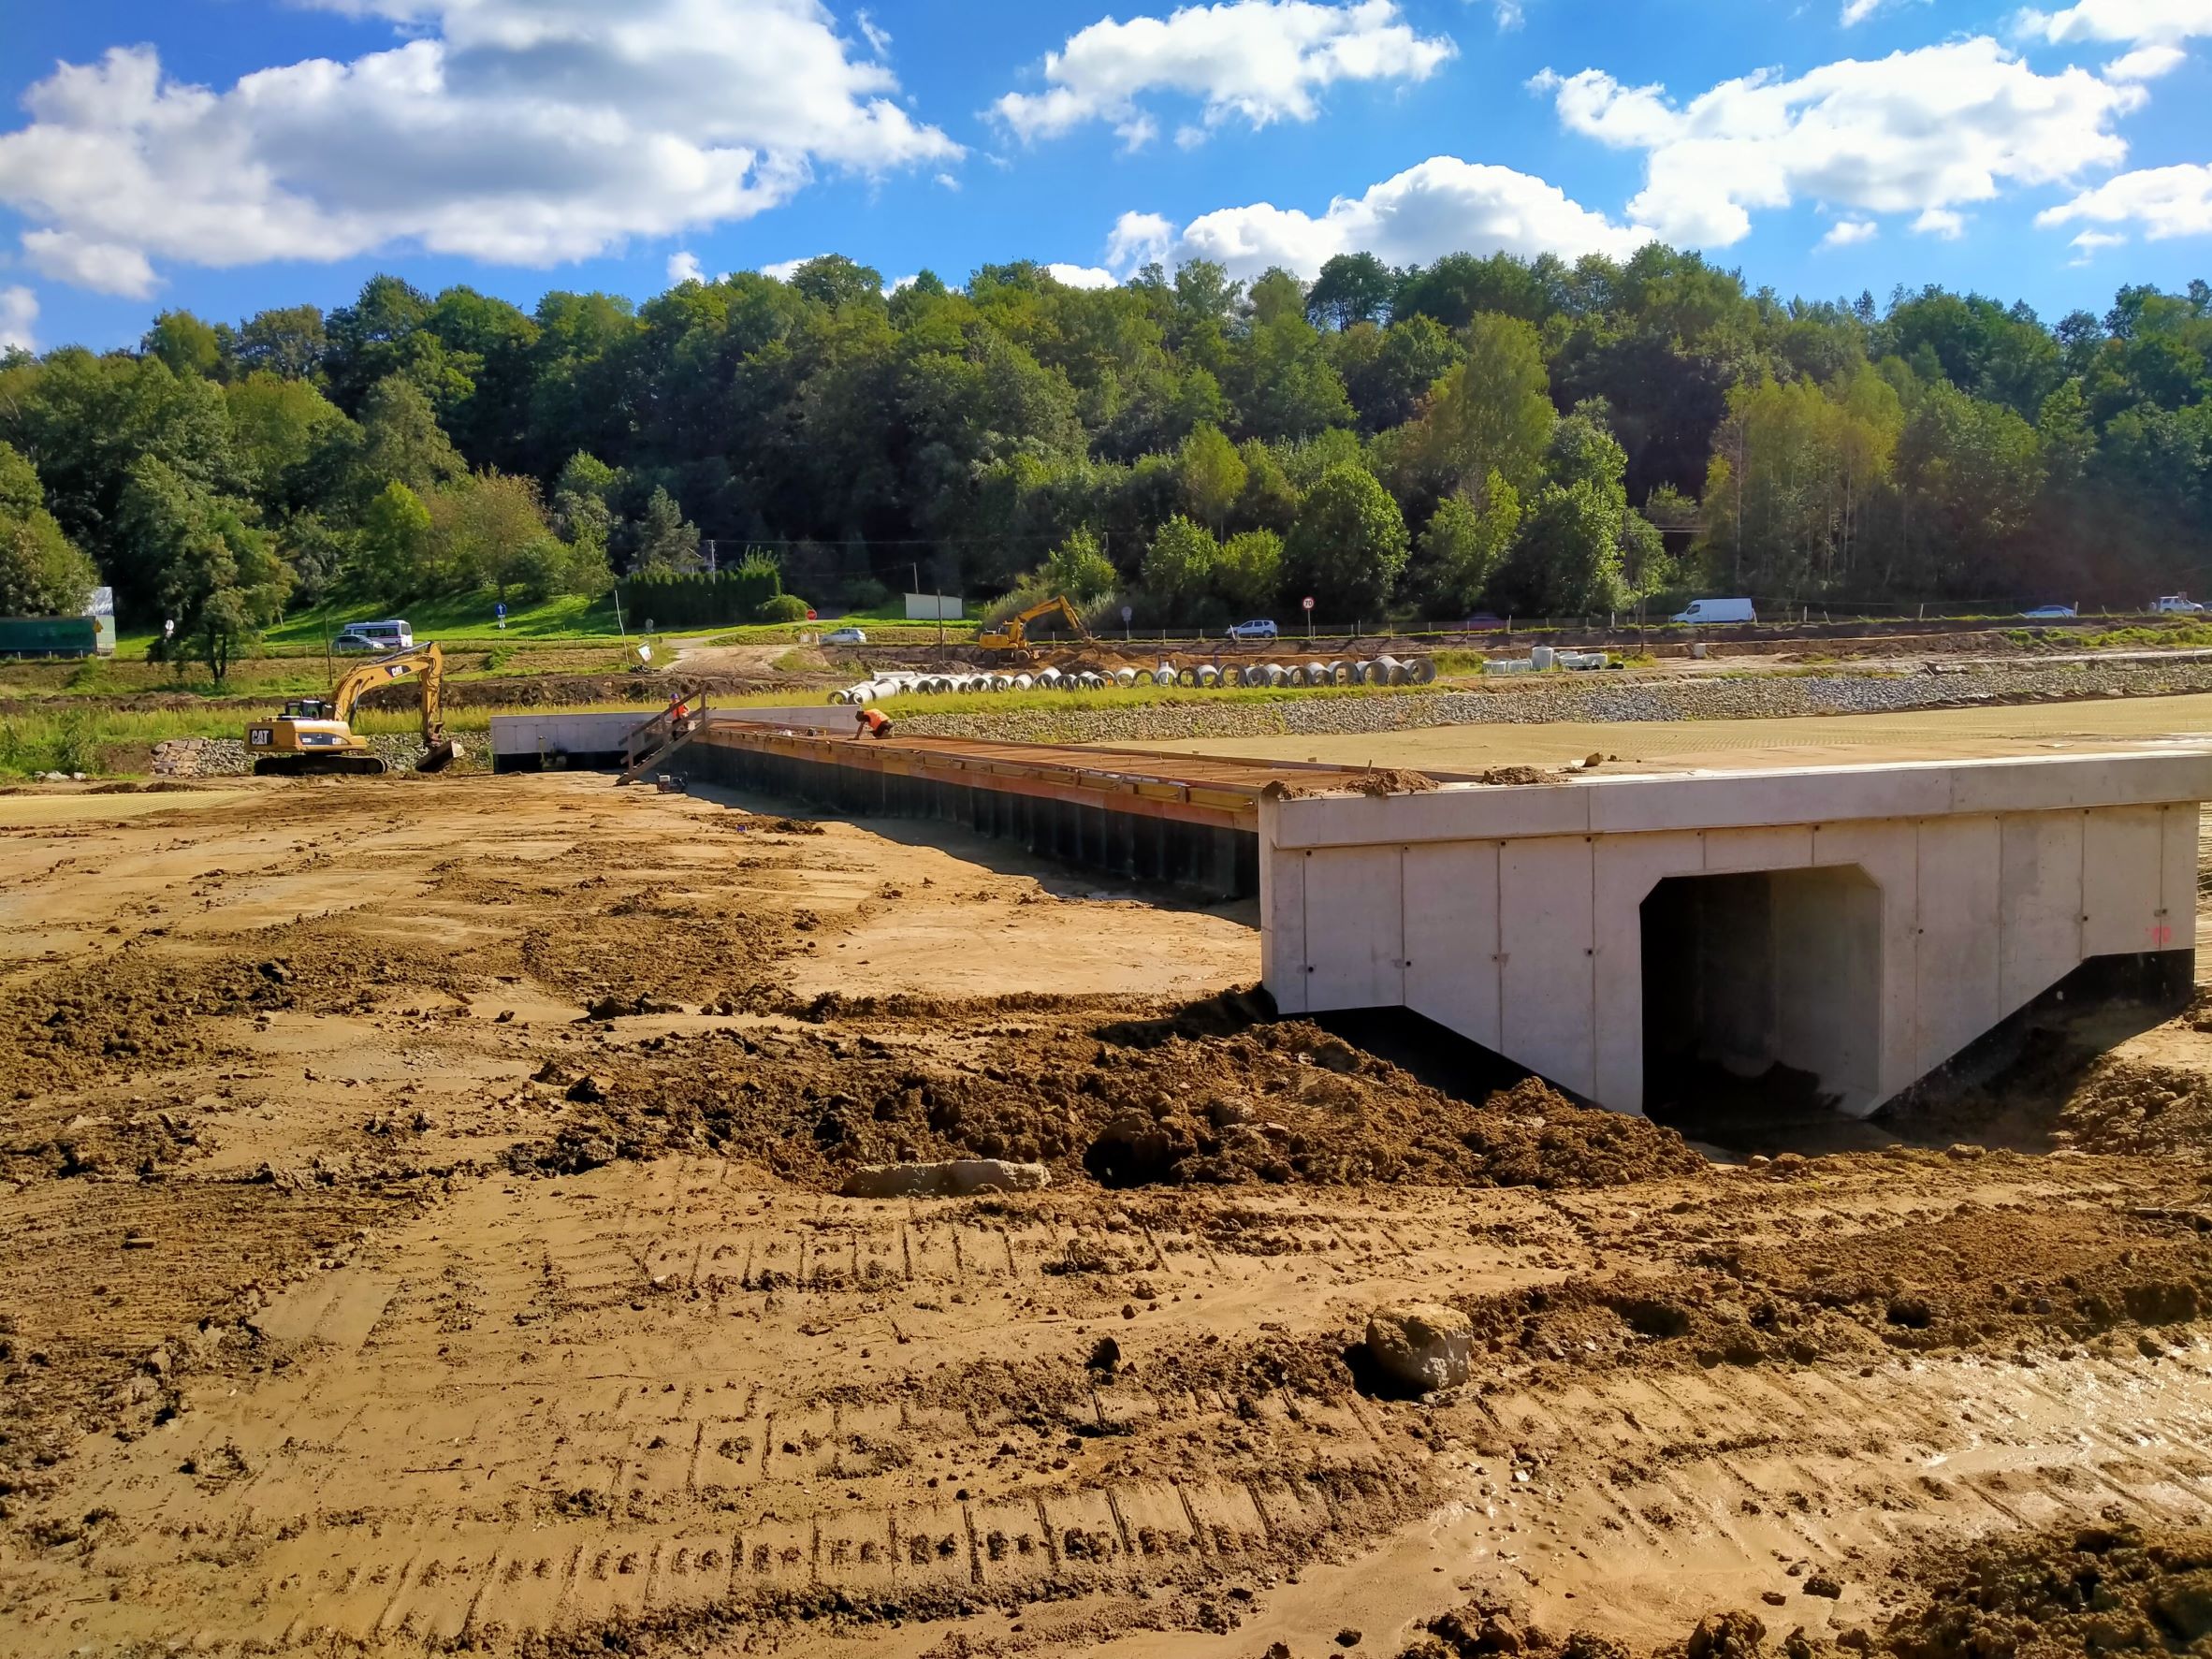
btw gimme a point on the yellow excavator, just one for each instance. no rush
(313, 737)
(1013, 635)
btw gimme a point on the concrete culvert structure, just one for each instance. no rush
(1421, 671)
(1855, 927)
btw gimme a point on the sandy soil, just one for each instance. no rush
(1844, 739)
(363, 1293)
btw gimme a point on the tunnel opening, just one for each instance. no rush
(1761, 1007)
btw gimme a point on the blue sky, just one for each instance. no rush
(224, 156)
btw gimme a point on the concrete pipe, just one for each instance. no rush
(1163, 676)
(1273, 673)
(1423, 671)
(1294, 674)
(837, 699)
(1047, 679)
(1022, 682)
(1343, 673)
(1209, 676)
(1316, 673)
(1187, 675)
(1124, 677)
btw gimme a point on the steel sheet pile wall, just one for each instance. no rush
(1117, 832)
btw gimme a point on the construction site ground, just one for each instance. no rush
(421, 1201)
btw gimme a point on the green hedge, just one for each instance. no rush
(699, 599)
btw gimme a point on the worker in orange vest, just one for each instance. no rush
(871, 722)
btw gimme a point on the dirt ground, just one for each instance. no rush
(1830, 740)
(423, 1232)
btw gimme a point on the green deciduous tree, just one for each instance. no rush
(1348, 546)
(1079, 569)
(1351, 288)
(1492, 413)
(1248, 575)
(1213, 476)
(42, 573)
(391, 557)
(1462, 548)
(217, 578)
(1179, 566)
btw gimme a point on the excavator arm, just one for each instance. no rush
(428, 661)
(1013, 633)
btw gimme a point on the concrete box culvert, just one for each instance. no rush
(1879, 920)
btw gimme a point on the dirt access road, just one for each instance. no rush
(365, 1293)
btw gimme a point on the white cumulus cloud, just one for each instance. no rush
(1940, 222)
(18, 311)
(107, 268)
(514, 131)
(1931, 128)
(2161, 201)
(783, 270)
(2135, 20)
(685, 267)
(1254, 60)
(2146, 63)
(1442, 206)
(1846, 233)
(1080, 276)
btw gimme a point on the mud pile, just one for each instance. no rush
(1120, 1094)
(148, 1008)
(1977, 1281)
(2053, 1596)
(2131, 1108)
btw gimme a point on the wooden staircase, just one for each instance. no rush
(648, 745)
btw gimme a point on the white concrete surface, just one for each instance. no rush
(1514, 915)
(601, 732)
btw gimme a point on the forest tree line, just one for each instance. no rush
(1526, 436)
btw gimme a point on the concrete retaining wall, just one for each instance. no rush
(587, 742)
(1518, 918)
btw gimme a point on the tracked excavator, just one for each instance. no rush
(1013, 635)
(315, 737)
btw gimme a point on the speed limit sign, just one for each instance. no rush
(1308, 602)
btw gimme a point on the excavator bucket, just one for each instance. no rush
(439, 755)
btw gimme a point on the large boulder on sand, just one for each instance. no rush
(1422, 1345)
(952, 1179)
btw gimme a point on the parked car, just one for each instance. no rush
(2049, 611)
(1717, 610)
(845, 636)
(1260, 628)
(374, 636)
(2175, 604)
(1482, 622)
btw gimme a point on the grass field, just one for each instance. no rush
(119, 742)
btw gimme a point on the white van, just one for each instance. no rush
(1717, 610)
(374, 636)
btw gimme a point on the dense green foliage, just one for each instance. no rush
(1485, 431)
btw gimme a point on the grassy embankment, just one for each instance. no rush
(119, 742)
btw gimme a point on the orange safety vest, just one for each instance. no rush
(874, 718)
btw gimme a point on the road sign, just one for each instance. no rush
(1127, 613)
(1308, 602)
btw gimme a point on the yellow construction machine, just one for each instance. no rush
(313, 736)
(1013, 635)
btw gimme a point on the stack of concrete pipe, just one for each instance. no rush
(1370, 671)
